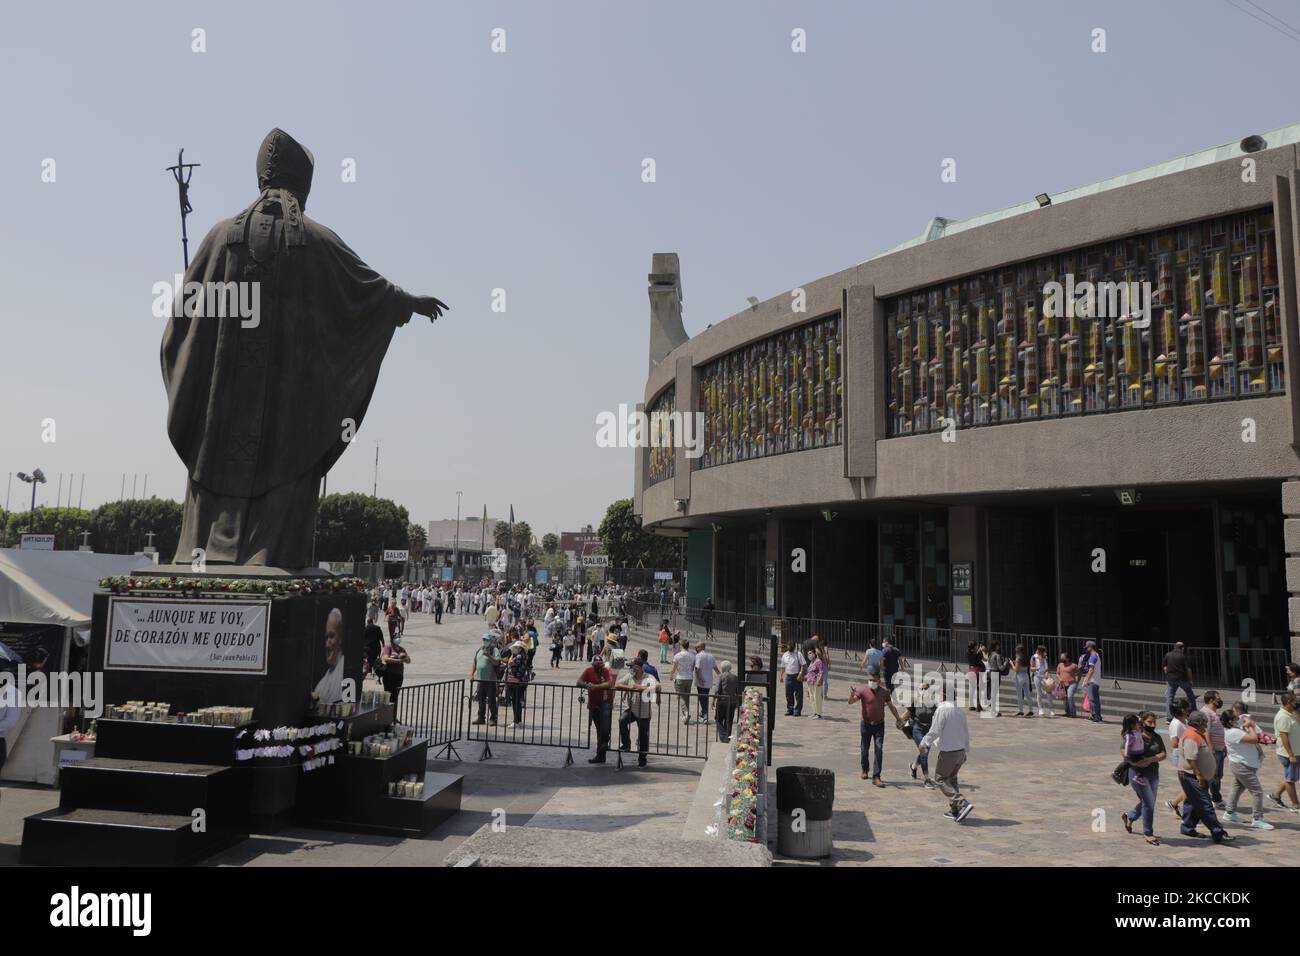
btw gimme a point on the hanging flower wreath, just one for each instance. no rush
(130, 584)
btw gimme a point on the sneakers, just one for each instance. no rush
(1262, 825)
(476, 723)
(929, 784)
(912, 768)
(600, 759)
(1233, 817)
(961, 813)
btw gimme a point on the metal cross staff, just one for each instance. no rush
(182, 172)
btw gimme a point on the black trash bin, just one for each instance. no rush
(805, 802)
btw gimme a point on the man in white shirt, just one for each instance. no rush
(638, 704)
(705, 669)
(791, 667)
(683, 675)
(950, 732)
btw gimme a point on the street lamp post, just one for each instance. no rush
(35, 478)
(455, 557)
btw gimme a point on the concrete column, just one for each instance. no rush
(863, 377)
(641, 462)
(1291, 539)
(688, 403)
(1287, 232)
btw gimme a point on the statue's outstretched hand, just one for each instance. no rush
(428, 305)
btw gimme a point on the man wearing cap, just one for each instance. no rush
(1092, 681)
(598, 682)
(1178, 676)
(638, 705)
(484, 672)
(728, 698)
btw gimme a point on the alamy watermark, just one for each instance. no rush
(635, 429)
(1100, 300)
(60, 689)
(217, 300)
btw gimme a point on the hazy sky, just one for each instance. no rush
(522, 170)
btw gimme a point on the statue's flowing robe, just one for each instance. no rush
(260, 413)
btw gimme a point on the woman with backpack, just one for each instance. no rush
(1143, 751)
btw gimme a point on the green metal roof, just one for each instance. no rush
(940, 227)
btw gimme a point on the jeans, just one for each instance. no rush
(1043, 697)
(923, 759)
(1197, 807)
(600, 716)
(1146, 806)
(642, 734)
(1094, 697)
(793, 696)
(1024, 699)
(515, 694)
(1171, 689)
(487, 698)
(1069, 700)
(1247, 779)
(702, 695)
(869, 733)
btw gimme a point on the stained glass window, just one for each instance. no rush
(1177, 316)
(662, 421)
(783, 393)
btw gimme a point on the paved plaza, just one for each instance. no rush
(1041, 788)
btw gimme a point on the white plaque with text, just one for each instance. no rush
(196, 636)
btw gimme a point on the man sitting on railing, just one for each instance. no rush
(638, 705)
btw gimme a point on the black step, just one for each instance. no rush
(151, 786)
(396, 816)
(97, 837)
(164, 740)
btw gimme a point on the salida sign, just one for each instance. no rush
(199, 637)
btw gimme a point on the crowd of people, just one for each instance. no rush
(1205, 744)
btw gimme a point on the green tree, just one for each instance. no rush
(550, 543)
(419, 539)
(627, 545)
(66, 524)
(123, 527)
(354, 525)
(523, 537)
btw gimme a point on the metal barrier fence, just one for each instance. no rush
(849, 640)
(673, 727)
(536, 714)
(433, 710)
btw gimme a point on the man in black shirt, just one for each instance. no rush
(1178, 676)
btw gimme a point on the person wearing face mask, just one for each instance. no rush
(395, 661)
(873, 698)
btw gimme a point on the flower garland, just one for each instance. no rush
(741, 801)
(130, 584)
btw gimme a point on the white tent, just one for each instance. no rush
(51, 588)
